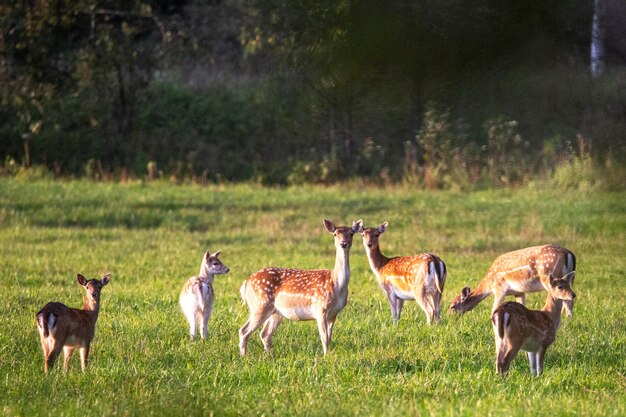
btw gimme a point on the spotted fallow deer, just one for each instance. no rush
(64, 328)
(516, 273)
(420, 277)
(275, 293)
(515, 327)
(196, 297)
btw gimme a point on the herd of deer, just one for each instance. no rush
(276, 293)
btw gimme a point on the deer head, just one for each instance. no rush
(93, 286)
(561, 288)
(343, 234)
(457, 305)
(371, 235)
(211, 265)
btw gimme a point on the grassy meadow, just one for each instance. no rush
(151, 238)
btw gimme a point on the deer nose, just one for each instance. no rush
(369, 245)
(573, 295)
(344, 245)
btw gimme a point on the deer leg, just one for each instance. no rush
(435, 302)
(191, 319)
(422, 300)
(53, 350)
(498, 299)
(393, 305)
(256, 320)
(521, 298)
(84, 354)
(532, 362)
(268, 330)
(206, 315)
(67, 351)
(540, 357)
(322, 327)
(331, 325)
(505, 358)
(399, 305)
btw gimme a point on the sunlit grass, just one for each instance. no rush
(151, 238)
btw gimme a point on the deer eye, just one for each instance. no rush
(560, 287)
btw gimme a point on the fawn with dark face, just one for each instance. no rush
(196, 297)
(420, 277)
(64, 328)
(515, 327)
(275, 293)
(517, 273)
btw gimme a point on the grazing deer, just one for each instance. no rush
(515, 327)
(62, 327)
(196, 297)
(516, 273)
(275, 293)
(420, 278)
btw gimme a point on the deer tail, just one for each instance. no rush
(42, 321)
(501, 320)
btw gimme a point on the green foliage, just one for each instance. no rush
(151, 237)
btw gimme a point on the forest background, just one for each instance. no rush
(439, 94)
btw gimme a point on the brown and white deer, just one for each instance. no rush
(275, 293)
(64, 328)
(420, 277)
(196, 297)
(516, 273)
(515, 327)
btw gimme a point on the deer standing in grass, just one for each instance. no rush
(516, 273)
(196, 297)
(275, 293)
(420, 277)
(515, 327)
(64, 328)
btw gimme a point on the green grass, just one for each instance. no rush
(151, 238)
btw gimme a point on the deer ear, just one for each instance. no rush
(552, 280)
(328, 224)
(357, 226)
(570, 277)
(105, 279)
(217, 254)
(81, 279)
(383, 227)
(465, 292)
(207, 255)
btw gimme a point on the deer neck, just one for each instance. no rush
(376, 258)
(553, 308)
(92, 308)
(341, 271)
(205, 275)
(479, 293)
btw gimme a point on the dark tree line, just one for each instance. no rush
(298, 91)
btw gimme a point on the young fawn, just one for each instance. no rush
(516, 273)
(420, 278)
(196, 297)
(515, 327)
(275, 293)
(62, 327)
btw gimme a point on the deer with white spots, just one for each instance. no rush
(517, 273)
(275, 293)
(64, 328)
(420, 277)
(196, 297)
(515, 327)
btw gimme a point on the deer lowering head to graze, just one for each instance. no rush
(516, 273)
(196, 297)
(515, 327)
(420, 277)
(275, 293)
(64, 328)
